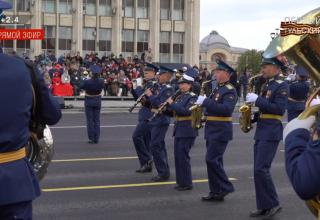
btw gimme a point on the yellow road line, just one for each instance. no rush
(121, 186)
(94, 159)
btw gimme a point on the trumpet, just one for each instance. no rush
(164, 105)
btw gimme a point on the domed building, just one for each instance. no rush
(215, 46)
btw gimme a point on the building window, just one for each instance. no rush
(105, 36)
(23, 5)
(49, 6)
(178, 47)
(127, 7)
(127, 43)
(88, 42)
(49, 42)
(164, 47)
(89, 7)
(178, 10)
(165, 9)
(65, 37)
(65, 6)
(105, 8)
(23, 46)
(142, 41)
(143, 9)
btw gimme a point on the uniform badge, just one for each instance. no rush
(284, 92)
(231, 97)
(268, 95)
(216, 97)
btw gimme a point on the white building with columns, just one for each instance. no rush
(129, 27)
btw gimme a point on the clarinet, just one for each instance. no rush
(164, 105)
(139, 99)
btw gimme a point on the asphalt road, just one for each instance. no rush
(99, 181)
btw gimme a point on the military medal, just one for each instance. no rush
(268, 94)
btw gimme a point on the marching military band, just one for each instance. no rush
(160, 101)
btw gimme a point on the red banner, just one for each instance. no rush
(21, 34)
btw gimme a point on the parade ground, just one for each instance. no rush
(94, 182)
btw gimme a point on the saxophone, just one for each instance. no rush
(197, 117)
(245, 110)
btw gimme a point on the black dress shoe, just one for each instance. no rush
(258, 213)
(272, 212)
(160, 178)
(216, 197)
(266, 213)
(183, 188)
(144, 169)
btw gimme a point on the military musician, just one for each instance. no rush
(218, 131)
(272, 105)
(184, 134)
(160, 124)
(142, 132)
(298, 92)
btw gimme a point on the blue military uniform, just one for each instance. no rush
(184, 136)
(218, 132)
(298, 94)
(272, 105)
(303, 163)
(93, 88)
(141, 135)
(18, 183)
(159, 126)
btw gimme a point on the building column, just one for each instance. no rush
(116, 27)
(135, 31)
(192, 25)
(57, 29)
(77, 22)
(36, 18)
(154, 33)
(97, 26)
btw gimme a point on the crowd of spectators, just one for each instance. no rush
(63, 75)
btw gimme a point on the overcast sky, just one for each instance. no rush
(248, 23)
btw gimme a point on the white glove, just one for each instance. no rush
(315, 101)
(200, 99)
(251, 97)
(134, 84)
(291, 77)
(139, 81)
(296, 124)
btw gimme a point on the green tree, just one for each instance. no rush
(250, 60)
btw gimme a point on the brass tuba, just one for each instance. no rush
(40, 152)
(245, 110)
(303, 50)
(197, 117)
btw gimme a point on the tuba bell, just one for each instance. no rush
(40, 151)
(303, 50)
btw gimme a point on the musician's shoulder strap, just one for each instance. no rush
(36, 97)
